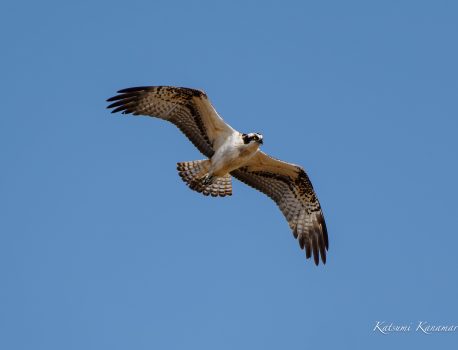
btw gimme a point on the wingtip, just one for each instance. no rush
(134, 89)
(113, 98)
(324, 230)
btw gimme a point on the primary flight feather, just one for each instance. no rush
(231, 153)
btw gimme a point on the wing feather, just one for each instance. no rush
(189, 109)
(290, 187)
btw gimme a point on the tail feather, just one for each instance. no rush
(195, 175)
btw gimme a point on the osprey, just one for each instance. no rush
(231, 154)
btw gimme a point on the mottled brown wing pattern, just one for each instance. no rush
(294, 195)
(183, 107)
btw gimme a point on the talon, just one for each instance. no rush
(208, 179)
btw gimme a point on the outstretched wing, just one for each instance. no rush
(289, 186)
(189, 109)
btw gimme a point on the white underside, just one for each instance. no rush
(231, 155)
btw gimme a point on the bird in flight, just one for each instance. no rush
(231, 154)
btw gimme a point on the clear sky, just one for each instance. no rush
(102, 246)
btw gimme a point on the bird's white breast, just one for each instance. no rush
(232, 154)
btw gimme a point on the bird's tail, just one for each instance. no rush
(195, 175)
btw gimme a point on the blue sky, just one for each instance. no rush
(103, 247)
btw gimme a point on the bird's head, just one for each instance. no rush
(251, 138)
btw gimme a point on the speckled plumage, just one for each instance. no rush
(231, 153)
